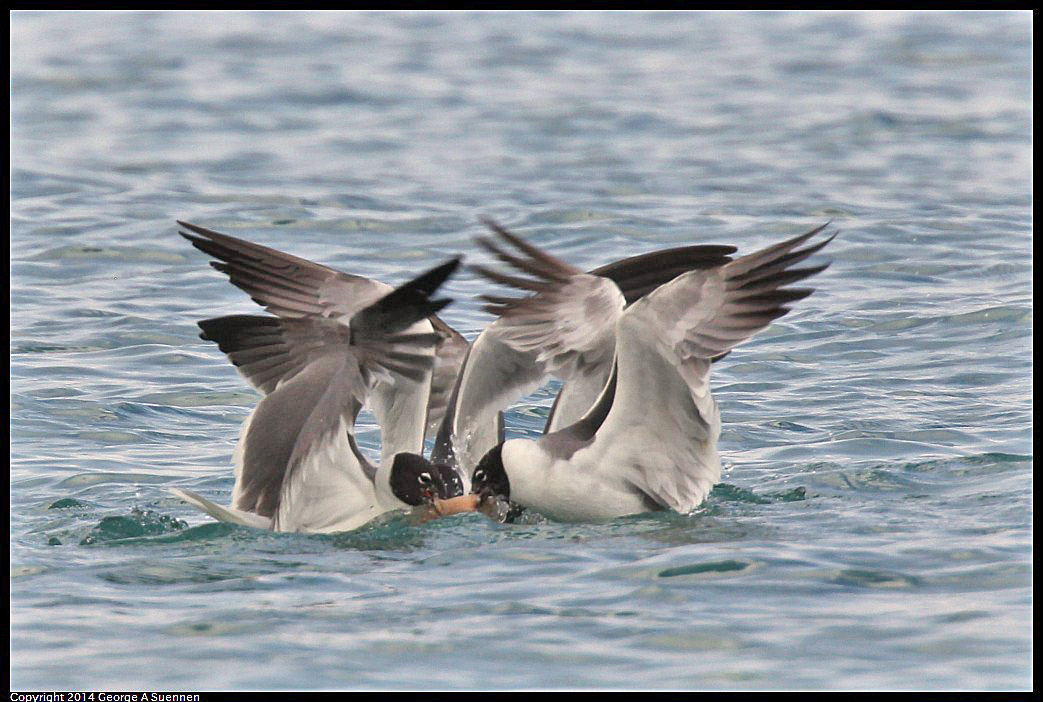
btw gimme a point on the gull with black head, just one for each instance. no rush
(649, 442)
(338, 342)
(566, 330)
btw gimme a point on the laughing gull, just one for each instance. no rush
(509, 359)
(650, 440)
(337, 342)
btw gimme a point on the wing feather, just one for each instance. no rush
(317, 363)
(566, 327)
(661, 432)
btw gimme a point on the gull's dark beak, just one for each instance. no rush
(485, 493)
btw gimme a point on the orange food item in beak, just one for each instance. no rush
(456, 505)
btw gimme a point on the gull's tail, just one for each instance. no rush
(223, 514)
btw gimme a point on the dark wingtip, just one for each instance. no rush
(424, 284)
(194, 228)
(407, 303)
(436, 305)
(487, 244)
(431, 280)
(500, 230)
(450, 266)
(509, 280)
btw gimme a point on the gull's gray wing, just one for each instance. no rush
(450, 352)
(534, 337)
(269, 350)
(285, 285)
(570, 316)
(295, 288)
(493, 376)
(564, 326)
(636, 277)
(639, 275)
(661, 431)
(318, 372)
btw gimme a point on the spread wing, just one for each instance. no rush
(569, 323)
(271, 350)
(564, 326)
(639, 275)
(493, 376)
(661, 431)
(317, 373)
(292, 287)
(285, 285)
(554, 332)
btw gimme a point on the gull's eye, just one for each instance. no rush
(426, 485)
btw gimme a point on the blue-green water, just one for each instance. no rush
(874, 525)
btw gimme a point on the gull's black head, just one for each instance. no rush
(415, 480)
(489, 481)
(489, 478)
